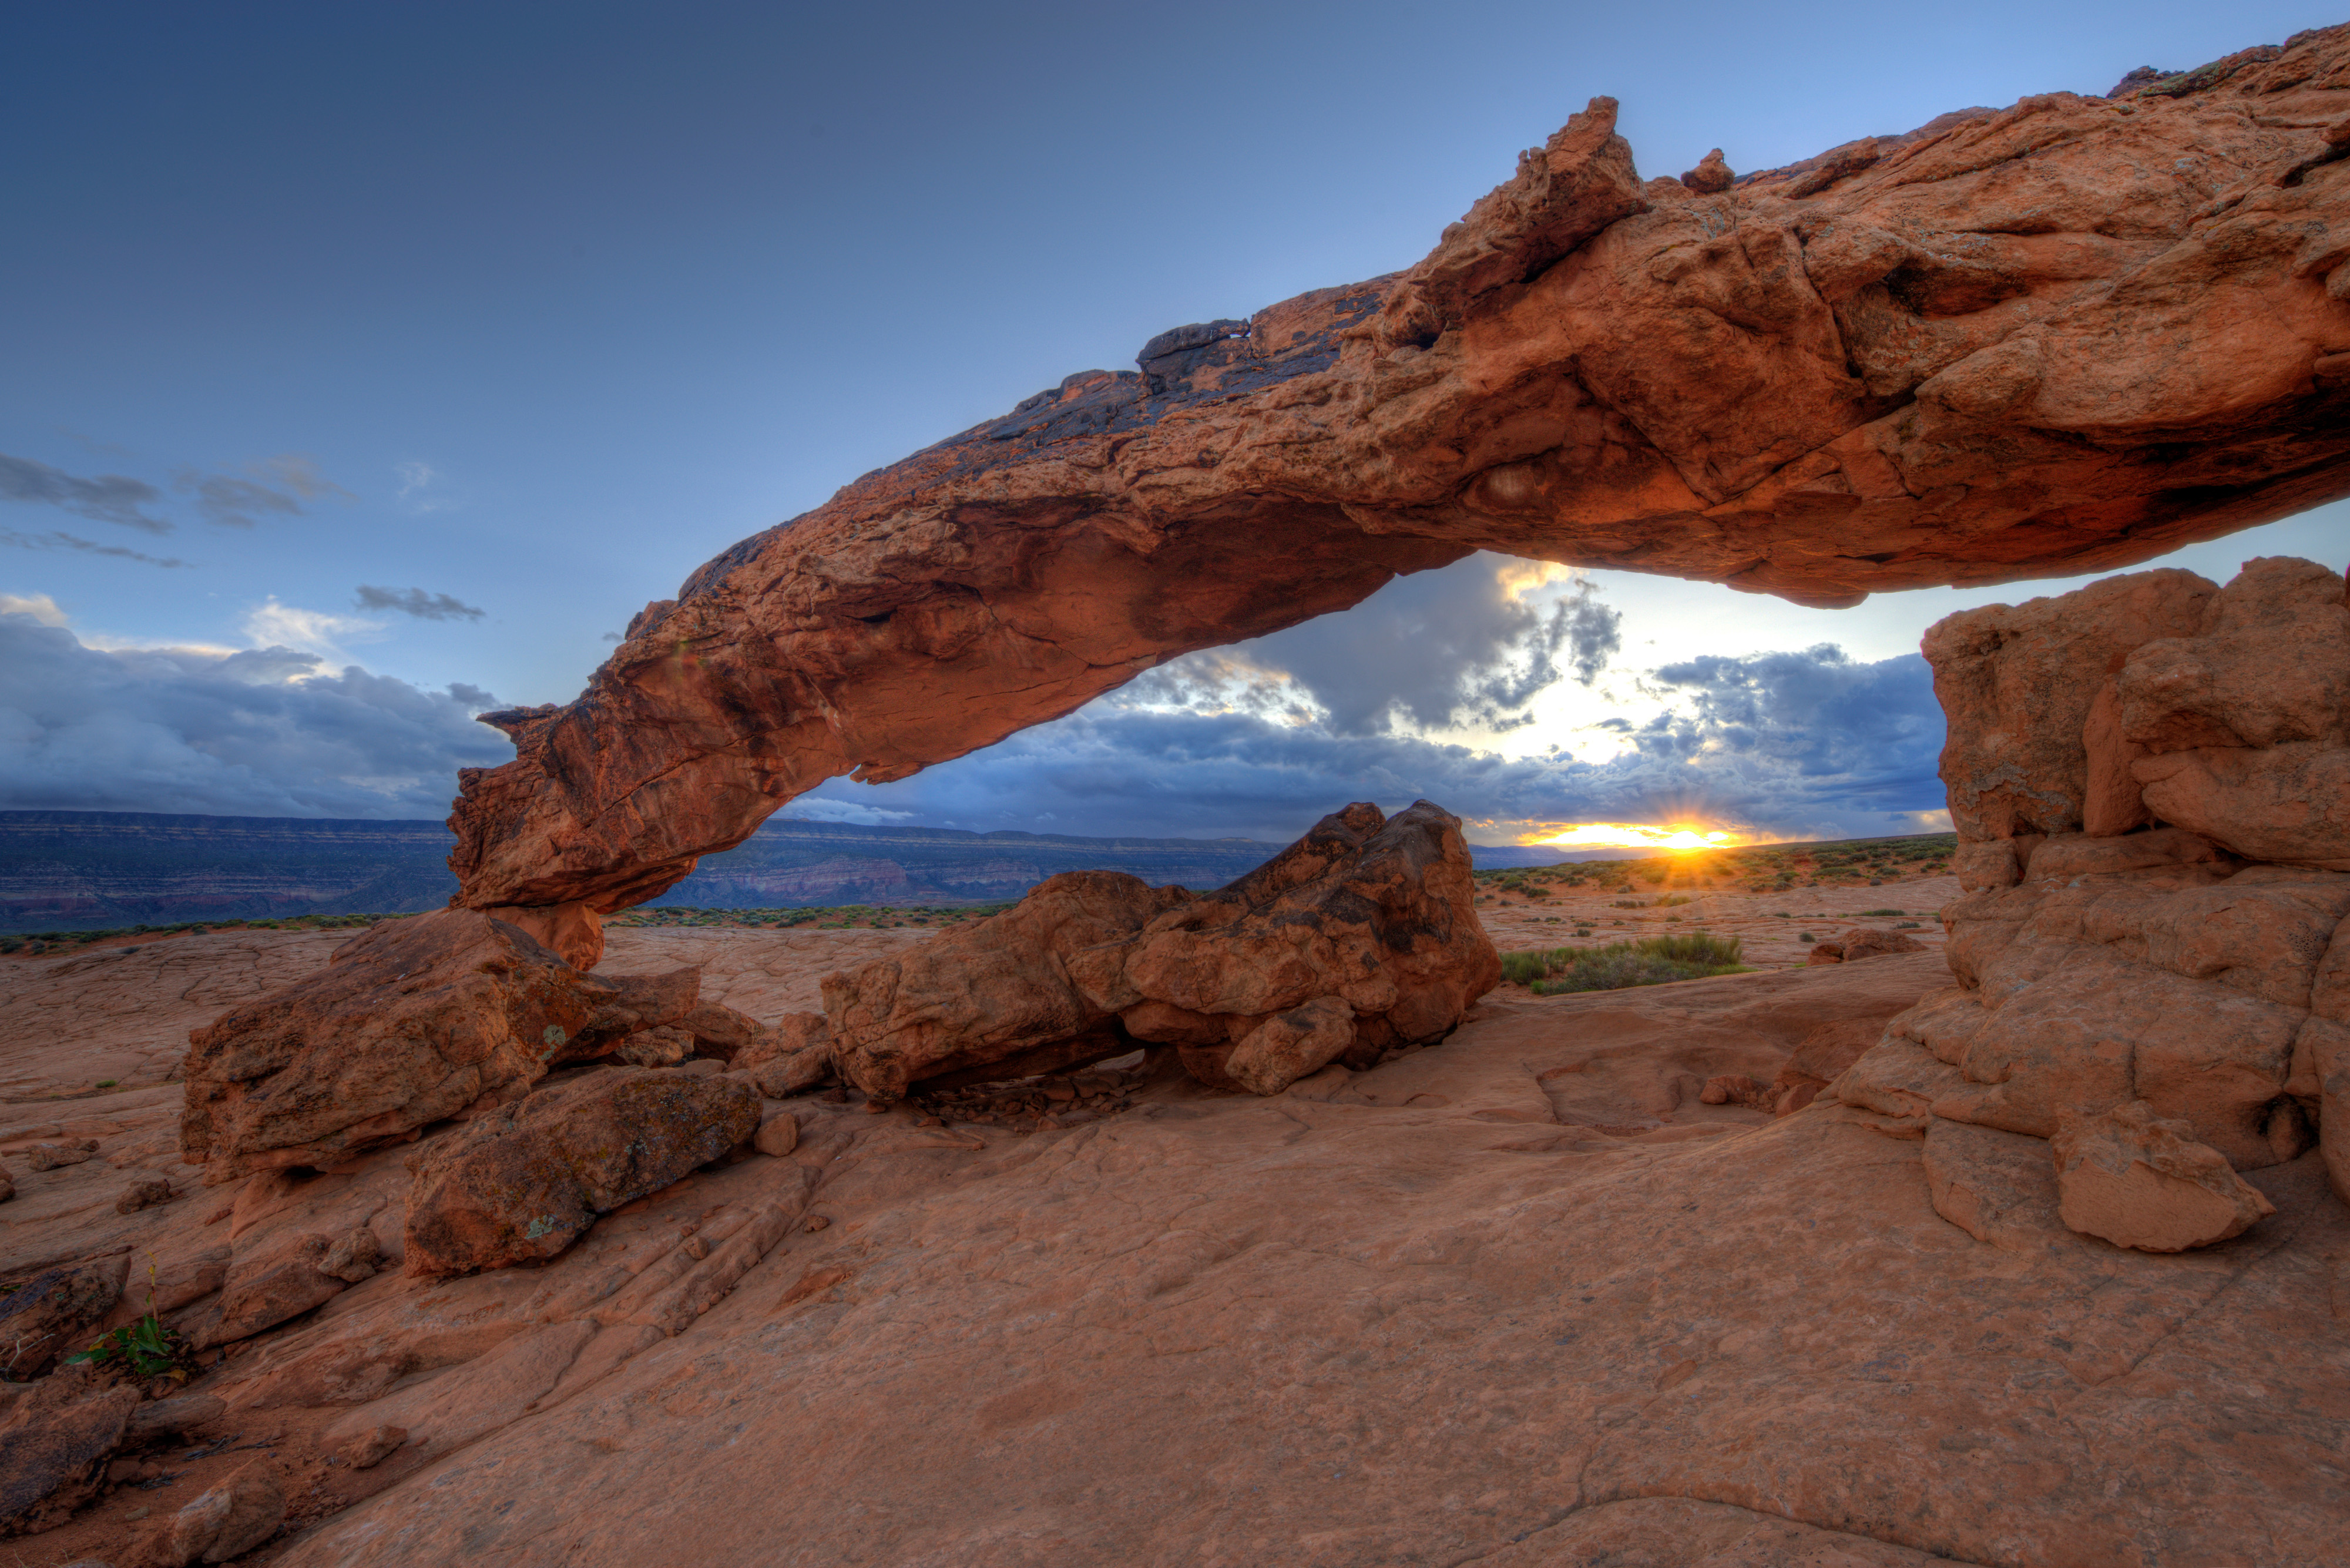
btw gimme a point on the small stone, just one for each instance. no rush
(1736, 1089)
(354, 1257)
(228, 1521)
(372, 1447)
(2141, 1180)
(815, 1222)
(780, 1134)
(53, 1156)
(145, 1194)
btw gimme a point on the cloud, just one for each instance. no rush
(822, 808)
(254, 732)
(276, 487)
(59, 539)
(40, 606)
(1799, 745)
(108, 498)
(416, 479)
(418, 603)
(318, 632)
(1468, 646)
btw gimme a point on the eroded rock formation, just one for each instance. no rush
(2189, 966)
(408, 1024)
(2066, 335)
(1358, 939)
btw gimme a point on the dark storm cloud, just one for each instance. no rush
(1791, 744)
(280, 488)
(261, 733)
(59, 539)
(418, 603)
(108, 498)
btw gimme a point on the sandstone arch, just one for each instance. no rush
(2067, 336)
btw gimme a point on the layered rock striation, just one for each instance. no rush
(2151, 780)
(2064, 336)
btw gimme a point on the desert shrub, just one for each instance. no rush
(1868, 912)
(1691, 955)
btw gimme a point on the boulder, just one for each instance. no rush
(1288, 1045)
(407, 1025)
(227, 1519)
(524, 1181)
(993, 992)
(2017, 682)
(2139, 1180)
(47, 1313)
(372, 1446)
(57, 1156)
(1862, 943)
(2268, 666)
(778, 1133)
(1359, 939)
(54, 1445)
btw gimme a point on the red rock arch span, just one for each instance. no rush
(2067, 336)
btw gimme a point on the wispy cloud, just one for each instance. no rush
(320, 633)
(107, 498)
(418, 603)
(278, 487)
(417, 483)
(59, 539)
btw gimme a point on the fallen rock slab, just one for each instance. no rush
(2139, 1180)
(523, 1182)
(46, 1315)
(407, 1025)
(54, 1445)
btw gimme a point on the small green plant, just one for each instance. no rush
(1805, 937)
(1675, 901)
(108, 1083)
(147, 1348)
(1865, 913)
(1906, 925)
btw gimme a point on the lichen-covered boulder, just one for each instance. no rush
(406, 1025)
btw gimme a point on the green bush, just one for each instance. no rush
(1651, 961)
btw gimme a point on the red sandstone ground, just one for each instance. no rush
(1519, 1299)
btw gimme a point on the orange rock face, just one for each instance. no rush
(2071, 334)
(2178, 972)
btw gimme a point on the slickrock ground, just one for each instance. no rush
(1518, 1299)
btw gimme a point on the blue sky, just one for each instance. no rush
(366, 364)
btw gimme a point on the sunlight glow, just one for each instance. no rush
(1675, 835)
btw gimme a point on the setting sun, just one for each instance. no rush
(1680, 835)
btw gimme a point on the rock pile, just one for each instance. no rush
(2151, 781)
(1358, 939)
(415, 1021)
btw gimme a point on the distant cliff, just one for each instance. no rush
(85, 870)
